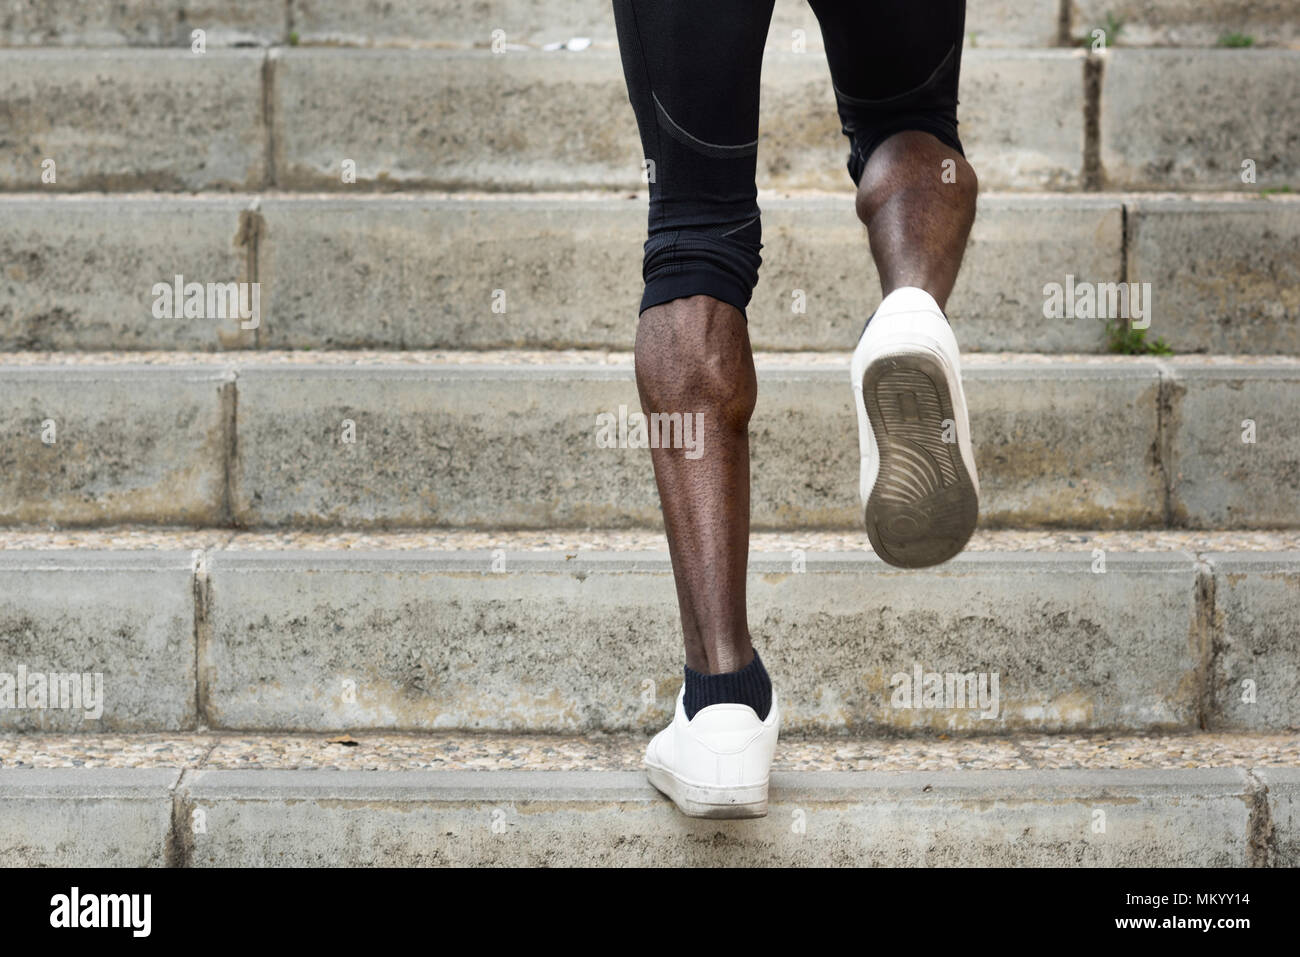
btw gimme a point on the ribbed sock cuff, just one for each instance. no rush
(750, 685)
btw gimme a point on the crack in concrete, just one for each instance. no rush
(1261, 841)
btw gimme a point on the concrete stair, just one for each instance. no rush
(258, 800)
(380, 513)
(516, 439)
(415, 119)
(534, 23)
(1081, 632)
(421, 271)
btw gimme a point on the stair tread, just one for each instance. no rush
(599, 541)
(613, 195)
(623, 752)
(581, 359)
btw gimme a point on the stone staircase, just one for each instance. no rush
(372, 530)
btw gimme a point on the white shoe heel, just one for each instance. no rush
(918, 486)
(719, 763)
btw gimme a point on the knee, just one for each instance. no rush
(693, 355)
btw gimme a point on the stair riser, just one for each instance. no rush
(82, 271)
(126, 616)
(1208, 817)
(143, 23)
(1188, 23)
(562, 121)
(133, 119)
(1004, 23)
(314, 642)
(1065, 445)
(518, 447)
(84, 445)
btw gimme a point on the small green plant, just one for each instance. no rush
(1276, 190)
(293, 38)
(1236, 40)
(1123, 339)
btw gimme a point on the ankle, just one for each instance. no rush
(750, 686)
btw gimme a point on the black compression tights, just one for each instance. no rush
(692, 69)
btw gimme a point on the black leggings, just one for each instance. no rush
(692, 70)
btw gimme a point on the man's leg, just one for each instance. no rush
(693, 355)
(692, 72)
(895, 66)
(917, 220)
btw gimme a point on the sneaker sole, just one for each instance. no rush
(695, 800)
(923, 507)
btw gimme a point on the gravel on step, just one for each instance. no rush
(572, 541)
(615, 752)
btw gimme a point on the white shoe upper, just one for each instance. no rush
(723, 746)
(908, 321)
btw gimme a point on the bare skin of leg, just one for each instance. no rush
(693, 355)
(917, 223)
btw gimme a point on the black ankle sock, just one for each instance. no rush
(750, 685)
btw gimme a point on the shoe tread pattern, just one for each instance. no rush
(923, 507)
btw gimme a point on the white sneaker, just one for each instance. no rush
(718, 763)
(918, 486)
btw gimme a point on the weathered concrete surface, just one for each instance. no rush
(124, 818)
(450, 750)
(399, 640)
(123, 621)
(1224, 274)
(1066, 444)
(1283, 839)
(1021, 116)
(1256, 673)
(1188, 23)
(415, 118)
(79, 270)
(91, 444)
(1234, 449)
(86, 817)
(1018, 244)
(130, 119)
(998, 23)
(416, 272)
(434, 446)
(516, 446)
(1187, 119)
(1024, 818)
(1075, 442)
(76, 23)
(420, 273)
